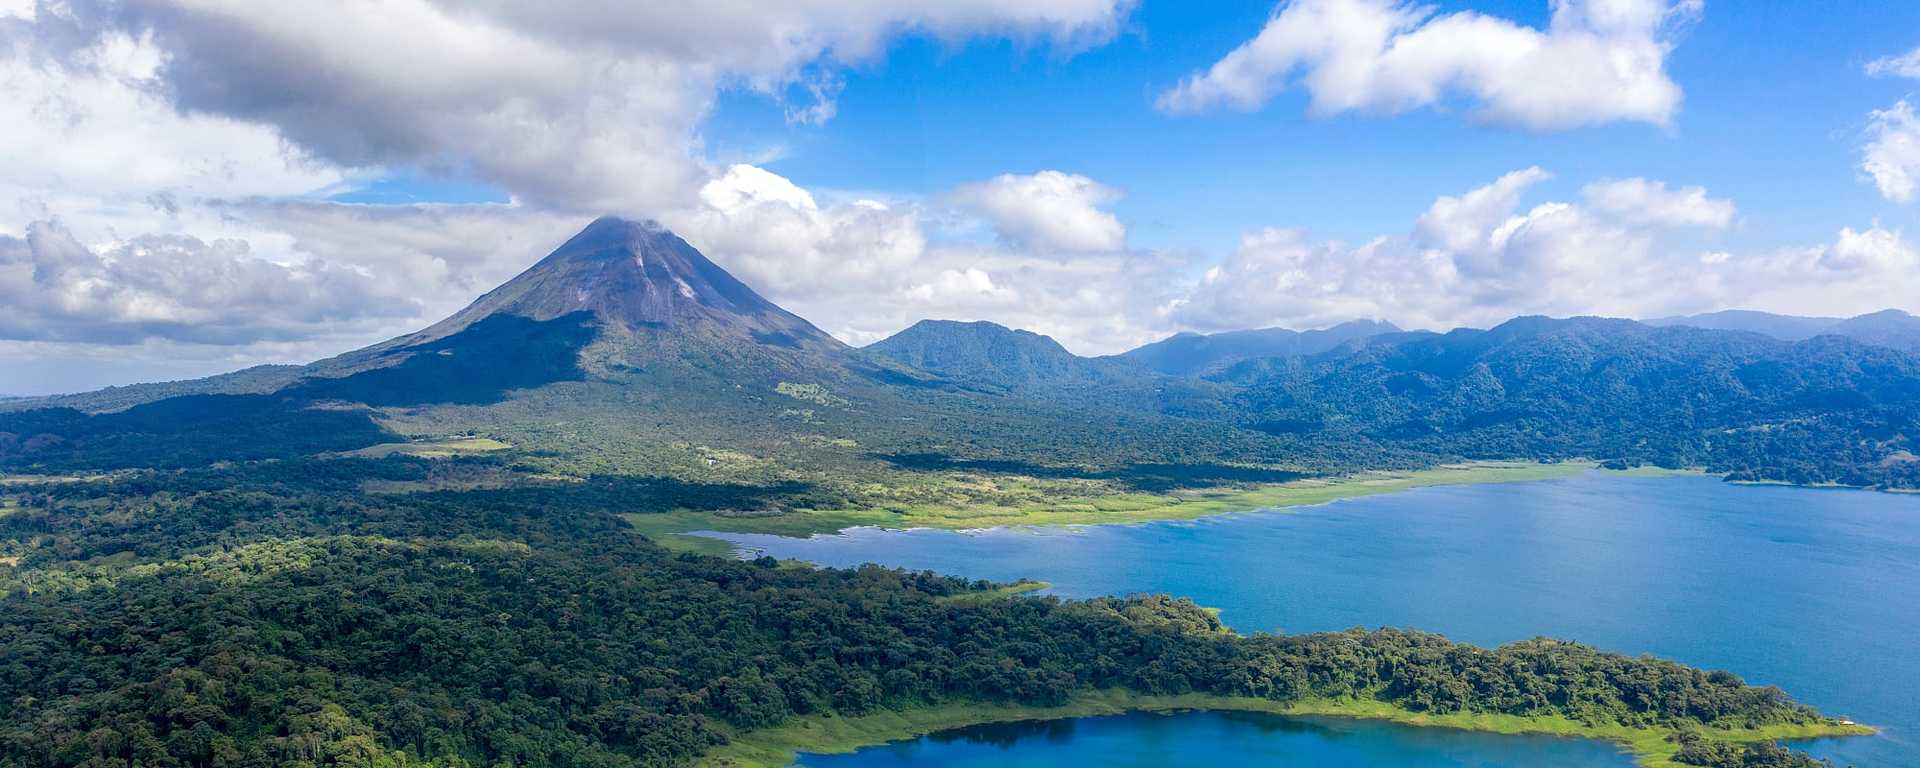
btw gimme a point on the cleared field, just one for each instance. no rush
(433, 449)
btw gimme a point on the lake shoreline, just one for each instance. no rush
(677, 530)
(778, 747)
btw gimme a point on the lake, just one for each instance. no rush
(1817, 591)
(1224, 739)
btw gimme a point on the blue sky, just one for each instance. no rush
(194, 187)
(1775, 105)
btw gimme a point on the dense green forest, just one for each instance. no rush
(274, 614)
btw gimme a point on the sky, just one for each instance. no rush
(193, 186)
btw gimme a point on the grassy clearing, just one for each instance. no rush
(6, 480)
(777, 747)
(998, 593)
(432, 449)
(1094, 510)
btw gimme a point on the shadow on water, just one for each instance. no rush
(1009, 734)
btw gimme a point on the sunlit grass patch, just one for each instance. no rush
(433, 449)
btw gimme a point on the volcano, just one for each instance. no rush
(635, 277)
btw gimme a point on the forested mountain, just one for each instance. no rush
(1828, 409)
(1887, 328)
(1191, 354)
(999, 358)
(1890, 328)
(1783, 327)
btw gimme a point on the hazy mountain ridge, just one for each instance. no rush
(1887, 328)
(1192, 354)
(1679, 396)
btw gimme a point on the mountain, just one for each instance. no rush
(992, 355)
(624, 351)
(1828, 409)
(636, 278)
(1887, 328)
(1783, 327)
(1192, 354)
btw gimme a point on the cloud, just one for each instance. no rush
(587, 106)
(970, 285)
(180, 289)
(1482, 257)
(1891, 156)
(1597, 61)
(1640, 201)
(89, 139)
(775, 236)
(1904, 65)
(1049, 211)
(863, 268)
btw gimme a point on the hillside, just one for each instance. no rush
(993, 356)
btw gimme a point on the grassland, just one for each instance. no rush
(432, 449)
(776, 747)
(1020, 587)
(671, 528)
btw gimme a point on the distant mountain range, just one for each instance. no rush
(626, 351)
(1190, 354)
(1888, 328)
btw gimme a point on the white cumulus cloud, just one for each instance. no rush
(1597, 61)
(1049, 210)
(590, 106)
(1484, 256)
(1640, 201)
(1891, 157)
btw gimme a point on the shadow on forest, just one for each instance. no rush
(646, 495)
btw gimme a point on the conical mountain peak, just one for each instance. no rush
(636, 276)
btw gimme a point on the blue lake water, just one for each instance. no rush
(1223, 739)
(1817, 591)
